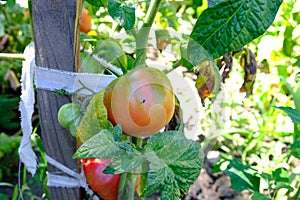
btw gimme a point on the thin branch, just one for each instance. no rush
(15, 56)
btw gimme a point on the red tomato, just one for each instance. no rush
(106, 185)
(85, 21)
(142, 101)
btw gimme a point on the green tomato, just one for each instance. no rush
(69, 116)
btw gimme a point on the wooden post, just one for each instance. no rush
(53, 24)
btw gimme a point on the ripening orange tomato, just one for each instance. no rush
(85, 21)
(142, 101)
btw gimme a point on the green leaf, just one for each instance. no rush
(94, 119)
(259, 196)
(231, 24)
(174, 164)
(292, 113)
(288, 43)
(125, 162)
(3, 196)
(11, 3)
(295, 149)
(212, 3)
(123, 12)
(8, 112)
(242, 177)
(280, 175)
(97, 3)
(102, 145)
(8, 143)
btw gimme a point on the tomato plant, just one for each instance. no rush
(142, 101)
(124, 122)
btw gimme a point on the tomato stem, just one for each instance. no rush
(142, 35)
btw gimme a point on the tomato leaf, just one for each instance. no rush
(292, 113)
(102, 145)
(123, 12)
(174, 164)
(125, 163)
(94, 119)
(231, 24)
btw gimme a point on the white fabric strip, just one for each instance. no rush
(52, 79)
(26, 107)
(72, 180)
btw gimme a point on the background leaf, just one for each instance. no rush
(292, 113)
(232, 24)
(295, 148)
(242, 177)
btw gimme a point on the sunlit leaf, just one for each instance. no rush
(94, 119)
(231, 24)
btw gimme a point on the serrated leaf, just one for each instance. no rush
(125, 163)
(123, 12)
(232, 24)
(292, 113)
(94, 119)
(242, 177)
(102, 145)
(175, 163)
